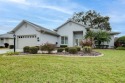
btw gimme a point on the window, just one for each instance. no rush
(64, 40)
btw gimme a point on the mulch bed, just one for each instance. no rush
(93, 53)
(80, 53)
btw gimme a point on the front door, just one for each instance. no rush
(77, 42)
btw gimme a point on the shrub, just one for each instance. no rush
(26, 49)
(11, 53)
(120, 42)
(1, 46)
(86, 42)
(63, 46)
(78, 48)
(72, 50)
(33, 50)
(87, 49)
(48, 47)
(60, 49)
(120, 48)
(67, 49)
(6, 45)
(38, 48)
(11, 46)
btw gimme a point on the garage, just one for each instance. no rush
(26, 40)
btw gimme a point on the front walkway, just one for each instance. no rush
(2, 51)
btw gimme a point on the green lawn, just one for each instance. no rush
(109, 68)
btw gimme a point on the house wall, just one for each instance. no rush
(26, 29)
(44, 38)
(6, 40)
(111, 43)
(67, 30)
(11, 41)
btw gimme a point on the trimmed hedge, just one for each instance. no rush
(78, 48)
(11, 46)
(72, 50)
(67, 49)
(87, 49)
(63, 46)
(2, 47)
(60, 49)
(38, 48)
(26, 49)
(33, 50)
(120, 48)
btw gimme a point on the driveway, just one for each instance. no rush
(10, 50)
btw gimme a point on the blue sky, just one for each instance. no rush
(52, 13)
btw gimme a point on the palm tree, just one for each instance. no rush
(90, 35)
(102, 36)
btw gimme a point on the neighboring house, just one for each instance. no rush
(70, 33)
(6, 38)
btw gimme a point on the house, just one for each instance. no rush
(70, 33)
(6, 38)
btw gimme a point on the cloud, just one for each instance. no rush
(36, 4)
(6, 21)
(56, 8)
(24, 2)
(51, 20)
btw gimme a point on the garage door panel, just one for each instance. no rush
(28, 40)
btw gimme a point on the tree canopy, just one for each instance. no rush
(92, 19)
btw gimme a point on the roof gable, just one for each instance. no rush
(37, 27)
(69, 22)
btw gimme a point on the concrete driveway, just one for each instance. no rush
(10, 50)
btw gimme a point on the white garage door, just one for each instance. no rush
(26, 40)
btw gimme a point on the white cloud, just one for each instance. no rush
(18, 1)
(56, 8)
(40, 5)
(9, 21)
(51, 20)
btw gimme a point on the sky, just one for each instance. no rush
(52, 13)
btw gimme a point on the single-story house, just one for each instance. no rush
(6, 38)
(70, 33)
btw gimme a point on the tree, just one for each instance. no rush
(90, 35)
(92, 19)
(102, 36)
(120, 42)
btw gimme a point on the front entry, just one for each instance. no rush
(78, 36)
(77, 42)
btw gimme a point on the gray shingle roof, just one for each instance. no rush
(7, 35)
(40, 28)
(68, 22)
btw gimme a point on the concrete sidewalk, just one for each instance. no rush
(2, 51)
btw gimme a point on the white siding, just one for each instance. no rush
(67, 30)
(26, 29)
(11, 41)
(111, 43)
(48, 38)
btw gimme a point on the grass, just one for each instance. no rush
(109, 68)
